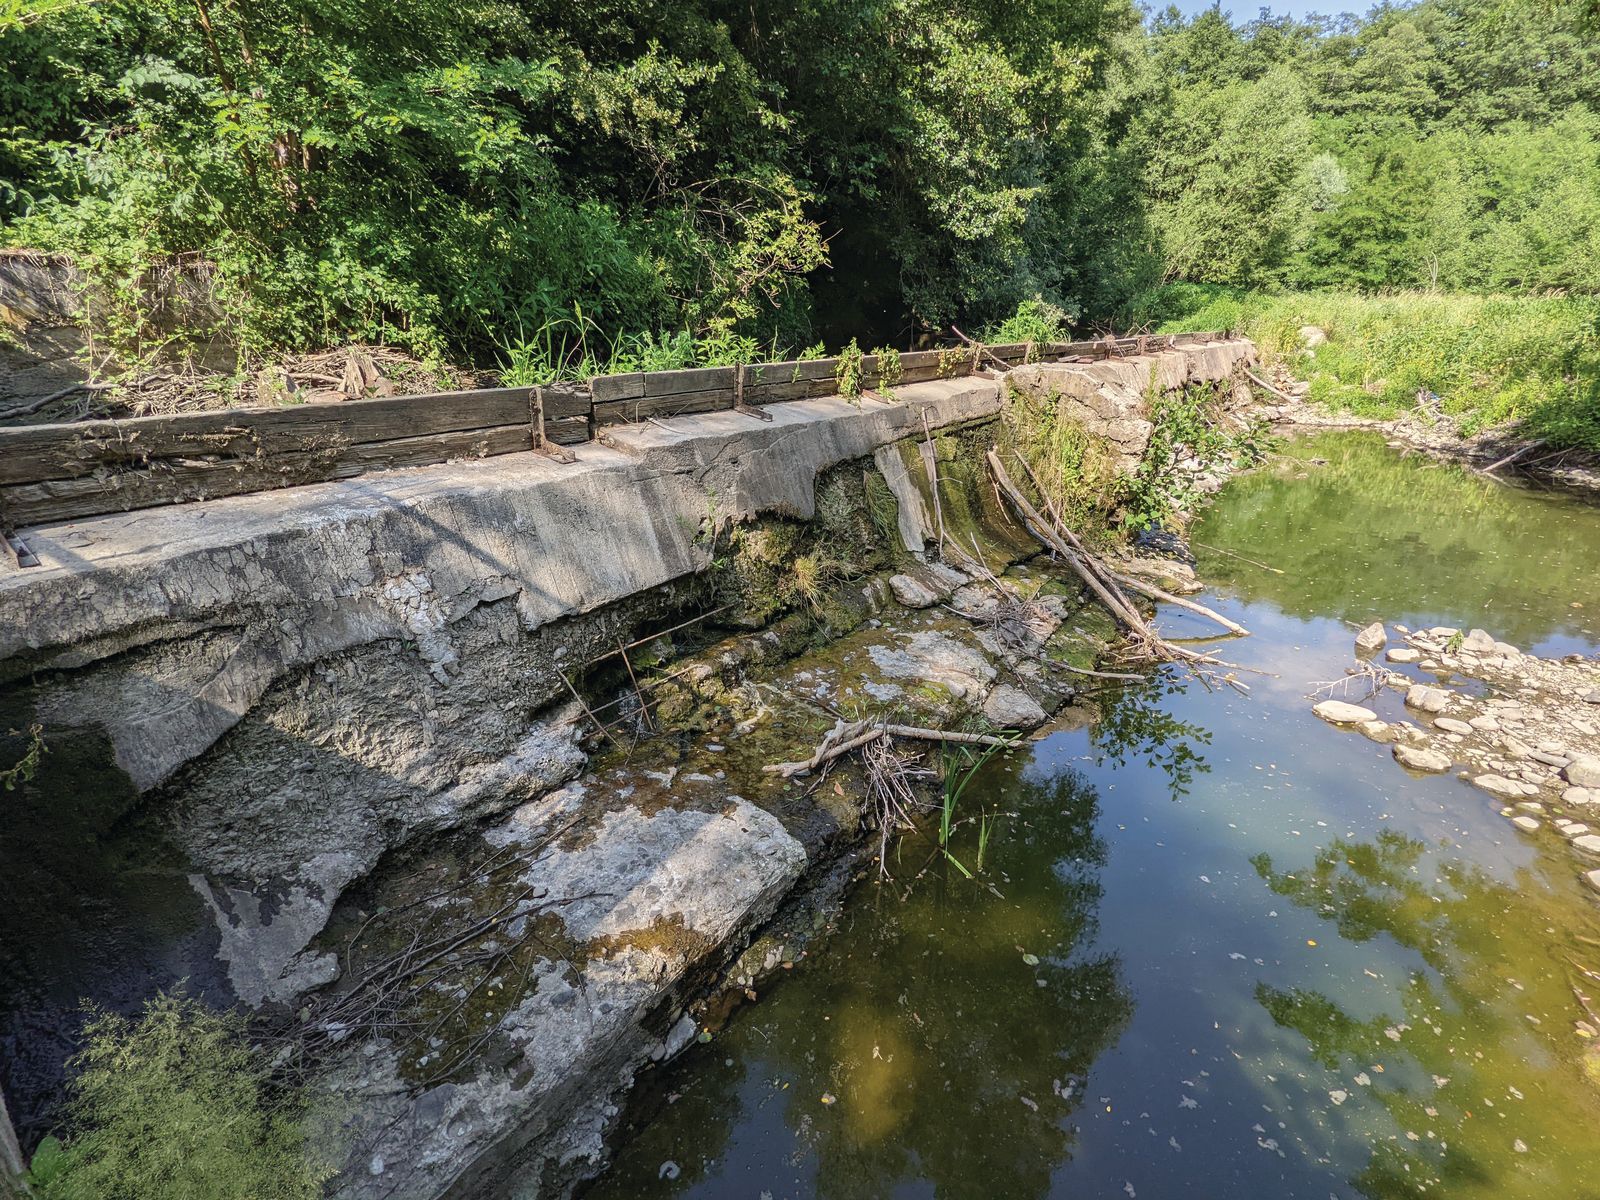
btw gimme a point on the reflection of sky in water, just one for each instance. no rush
(1200, 1030)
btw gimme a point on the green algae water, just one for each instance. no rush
(1218, 948)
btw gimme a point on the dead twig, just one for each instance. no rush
(847, 736)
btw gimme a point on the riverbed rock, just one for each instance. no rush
(1428, 699)
(1579, 796)
(1340, 712)
(1402, 654)
(1589, 843)
(1451, 725)
(1312, 336)
(1583, 772)
(1592, 878)
(1371, 639)
(1525, 823)
(1378, 731)
(652, 893)
(930, 656)
(1499, 785)
(1012, 708)
(913, 593)
(1419, 759)
(1478, 641)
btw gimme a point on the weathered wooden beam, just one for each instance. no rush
(177, 481)
(33, 453)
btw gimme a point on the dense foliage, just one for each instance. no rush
(1451, 144)
(664, 182)
(465, 175)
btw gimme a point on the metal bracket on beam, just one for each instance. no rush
(17, 550)
(542, 444)
(739, 406)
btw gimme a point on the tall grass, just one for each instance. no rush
(575, 347)
(1531, 361)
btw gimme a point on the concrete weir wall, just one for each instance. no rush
(306, 680)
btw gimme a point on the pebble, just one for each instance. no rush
(1419, 759)
(1499, 785)
(1515, 748)
(1341, 713)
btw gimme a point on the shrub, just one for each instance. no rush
(175, 1105)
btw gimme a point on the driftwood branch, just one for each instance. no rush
(1264, 385)
(1100, 580)
(33, 406)
(1155, 593)
(845, 737)
(979, 349)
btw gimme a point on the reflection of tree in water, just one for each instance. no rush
(1471, 1076)
(1131, 723)
(953, 1059)
(1430, 538)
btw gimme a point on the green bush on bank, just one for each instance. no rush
(1491, 360)
(175, 1105)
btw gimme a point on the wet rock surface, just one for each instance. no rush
(666, 856)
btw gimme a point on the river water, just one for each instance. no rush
(1217, 948)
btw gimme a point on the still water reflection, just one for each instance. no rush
(1219, 948)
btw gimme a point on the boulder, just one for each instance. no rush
(1419, 759)
(1012, 708)
(1340, 712)
(1371, 639)
(1312, 336)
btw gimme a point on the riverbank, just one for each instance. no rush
(1523, 728)
(1479, 378)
